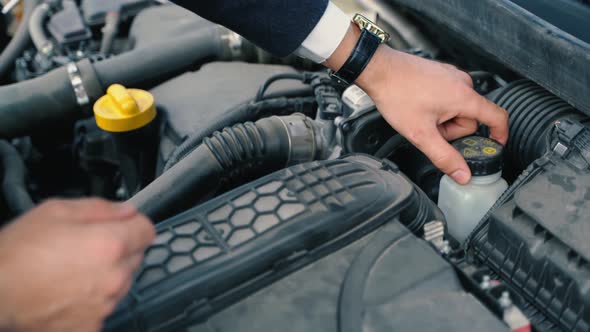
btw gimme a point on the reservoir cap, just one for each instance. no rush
(483, 155)
(124, 110)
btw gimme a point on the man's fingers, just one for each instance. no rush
(134, 261)
(122, 285)
(457, 128)
(491, 115)
(444, 156)
(136, 233)
(465, 77)
(97, 210)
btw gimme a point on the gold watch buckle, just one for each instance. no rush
(365, 23)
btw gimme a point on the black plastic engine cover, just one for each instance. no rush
(215, 254)
(387, 281)
(399, 283)
(537, 240)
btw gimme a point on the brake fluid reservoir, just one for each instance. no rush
(465, 205)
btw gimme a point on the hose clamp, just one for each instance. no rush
(234, 44)
(77, 84)
(302, 140)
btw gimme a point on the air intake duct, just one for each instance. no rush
(533, 114)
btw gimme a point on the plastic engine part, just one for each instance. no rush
(535, 240)
(381, 292)
(389, 280)
(66, 26)
(95, 11)
(208, 257)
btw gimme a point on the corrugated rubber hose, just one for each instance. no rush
(269, 144)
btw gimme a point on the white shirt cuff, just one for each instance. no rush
(325, 38)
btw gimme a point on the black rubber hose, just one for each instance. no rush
(269, 145)
(278, 77)
(142, 66)
(14, 189)
(533, 112)
(241, 113)
(389, 147)
(35, 105)
(18, 43)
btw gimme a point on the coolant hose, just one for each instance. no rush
(37, 29)
(19, 41)
(35, 105)
(14, 189)
(268, 145)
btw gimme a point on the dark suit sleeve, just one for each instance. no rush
(278, 26)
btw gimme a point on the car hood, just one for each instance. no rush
(520, 40)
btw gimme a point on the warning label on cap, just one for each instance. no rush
(490, 150)
(469, 152)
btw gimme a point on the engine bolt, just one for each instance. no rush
(121, 193)
(505, 301)
(485, 282)
(446, 248)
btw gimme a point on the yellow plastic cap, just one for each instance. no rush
(122, 109)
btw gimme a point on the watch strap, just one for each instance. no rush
(359, 58)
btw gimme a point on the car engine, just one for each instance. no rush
(282, 199)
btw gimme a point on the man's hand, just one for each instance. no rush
(66, 264)
(428, 103)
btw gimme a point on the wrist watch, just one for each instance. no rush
(371, 37)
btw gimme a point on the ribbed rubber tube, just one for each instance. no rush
(245, 112)
(533, 113)
(235, 146)
(233, 153)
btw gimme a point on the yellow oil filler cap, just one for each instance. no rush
(123, 110)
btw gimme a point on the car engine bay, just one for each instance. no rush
(283, 200)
